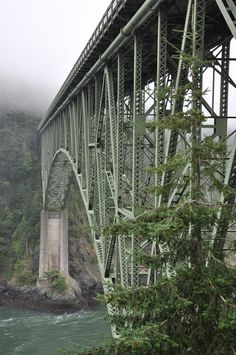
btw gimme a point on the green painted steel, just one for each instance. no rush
(95, 127)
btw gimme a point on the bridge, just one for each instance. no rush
(95, 128)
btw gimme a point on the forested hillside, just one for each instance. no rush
(20, 206)
(20, 196)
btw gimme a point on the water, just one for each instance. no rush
(28, 332)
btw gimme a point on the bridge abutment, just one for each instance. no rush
(53, 243)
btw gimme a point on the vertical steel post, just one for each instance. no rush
(160, 108)
(160, 90)
(85, 163)
(221, 122)
(138, 130)
(120, 169)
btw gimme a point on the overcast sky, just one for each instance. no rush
(40, 41)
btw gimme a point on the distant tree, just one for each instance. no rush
(20, 192)
(21, 236)
(4, 185)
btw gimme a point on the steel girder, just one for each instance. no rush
(99, 132)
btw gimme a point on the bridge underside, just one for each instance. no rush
(96, 125)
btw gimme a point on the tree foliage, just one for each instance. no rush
(20, 195)
(194, 310)
(57, 281)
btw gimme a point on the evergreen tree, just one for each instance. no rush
(193, 311)
(20, 194)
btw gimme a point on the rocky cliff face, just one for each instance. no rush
(84, 282)
(34, 298)
(85, 279)
(83, 266)
(20, 206)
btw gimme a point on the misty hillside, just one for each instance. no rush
(21, 203)
(20, 193)
(17, 95)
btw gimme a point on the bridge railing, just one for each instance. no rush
(100, 29)
(105, 21)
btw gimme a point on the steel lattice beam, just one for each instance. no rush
(96, 126)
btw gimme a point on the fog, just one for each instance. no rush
(40, 40)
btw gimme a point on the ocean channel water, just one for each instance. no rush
(29, 332)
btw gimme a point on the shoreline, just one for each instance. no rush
(37, 299)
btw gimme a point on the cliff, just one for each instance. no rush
(20, 205)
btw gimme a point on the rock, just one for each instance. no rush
(83, 284)
(35, 298)
(84, 280)
(2, 289)
(83, 267)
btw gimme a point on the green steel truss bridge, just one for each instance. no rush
(95, 127)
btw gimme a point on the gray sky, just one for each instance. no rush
(40, 41)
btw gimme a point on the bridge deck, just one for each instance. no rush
(115, 18)
(118, 13)
(96, 129)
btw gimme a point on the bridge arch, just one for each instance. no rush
(96, 124)
(54, 217)
(58, 182)
(59, 176)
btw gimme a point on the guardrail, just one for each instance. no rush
(110, 13)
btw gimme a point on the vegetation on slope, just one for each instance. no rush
(20, 196)
(20, 206)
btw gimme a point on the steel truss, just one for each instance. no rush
(99, 132)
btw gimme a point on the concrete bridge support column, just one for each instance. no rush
(53, 243)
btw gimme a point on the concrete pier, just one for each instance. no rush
(53, 243)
